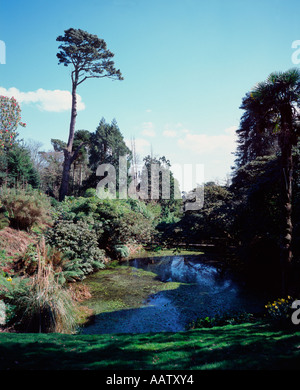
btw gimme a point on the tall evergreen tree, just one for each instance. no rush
(107, 145)
(16, 167)
(90, 58)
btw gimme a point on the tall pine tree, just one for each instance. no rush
(90, 58)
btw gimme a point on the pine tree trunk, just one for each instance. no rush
(68, 154)
(64, 188)
(80, 176)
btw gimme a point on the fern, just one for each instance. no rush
(25, 207)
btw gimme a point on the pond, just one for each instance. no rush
(163, 293)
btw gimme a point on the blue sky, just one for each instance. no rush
(186, 64)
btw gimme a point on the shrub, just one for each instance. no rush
(6, 286)
(79, 243)
(76, 209)
(128, 229)
(10, 289)
(141, 208)
(115, 222)
(280, 310)
(121, 251)
(90, 192)
(230, 318)
(25, 207)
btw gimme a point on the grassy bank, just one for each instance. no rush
(245, 346)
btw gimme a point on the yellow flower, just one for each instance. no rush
(9, 279)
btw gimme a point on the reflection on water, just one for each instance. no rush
(204, 290)
(179, 269)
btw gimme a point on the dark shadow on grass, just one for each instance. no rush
(250, 347)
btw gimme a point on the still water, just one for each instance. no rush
(164, 294)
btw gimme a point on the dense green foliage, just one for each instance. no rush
(79, 243)
(107, 145)
(112, 223)
(16, 167)
(212, 223)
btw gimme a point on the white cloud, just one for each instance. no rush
(215, 152)
(170, 133)
(142, 146)
(148, 129)
(206, 144)
(174, 130)
(46, 100)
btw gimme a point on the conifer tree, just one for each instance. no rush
(90, 58)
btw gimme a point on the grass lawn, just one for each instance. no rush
(239, 347)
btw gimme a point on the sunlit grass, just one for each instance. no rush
(245, 346)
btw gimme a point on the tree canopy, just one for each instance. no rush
(88, 54)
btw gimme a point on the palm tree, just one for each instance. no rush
(274, 104)
(252, 142)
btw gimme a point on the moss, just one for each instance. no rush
(123, 287)
(165, 252)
